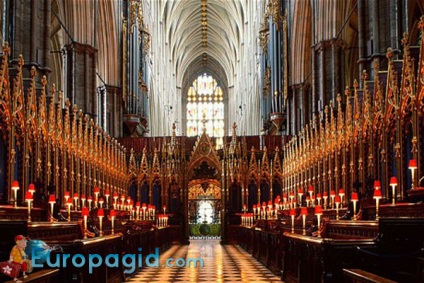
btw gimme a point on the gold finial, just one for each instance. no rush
(33, 72)
(6, 48)
(389, 53)
(67, 103)
(20, 60)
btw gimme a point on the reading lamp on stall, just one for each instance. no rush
(83, 199)
(69, 204)
(304, 212)
(15, 188)
(52, 201)
(393, 184)
(76, 201)
(96, 195)
(101, 214)
(107, 195)
(29, 199)
(84, 213)
(354, 200)
(318, 213)
(412, 166)
(292, 215)
(115, 197)
(337, 201)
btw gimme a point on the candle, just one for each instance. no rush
(393, 184)
(138, 205)
(164, 209)
(143, 207)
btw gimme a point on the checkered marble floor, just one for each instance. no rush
(221, 264)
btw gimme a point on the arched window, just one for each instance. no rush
(205, 105)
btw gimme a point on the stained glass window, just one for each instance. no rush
(205, 102)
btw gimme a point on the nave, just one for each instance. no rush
(222, 263)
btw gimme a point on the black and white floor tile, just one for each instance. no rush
(221, 264)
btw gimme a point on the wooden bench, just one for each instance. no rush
(362, 276)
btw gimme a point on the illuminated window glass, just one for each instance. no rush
(205, 101)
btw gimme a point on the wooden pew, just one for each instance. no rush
(43, 276)
(362, 276)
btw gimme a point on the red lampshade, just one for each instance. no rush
(83, 197)
(100, 213)
(84, 211)
(300, 192)
(341, 192)
(337, 199)
(285, 196)
(115, 195)
(89, 198)
(15, 185)
(113, 213)
(128, 199)
(318, 210)
(303, 211)
(254, 206)
(308, 198)
(310, 189)
(107, 193)
(325, 194)
(96, 190)
(122, 197)
(333, 193)
(377, 184)
(131, 202)
(28, 196)
(101, 200)
(69, 202)
(75, 195)
(154, 207)
(31, 188)
(137, 204)
(270, 203)
(291, 194)
(164, 207)
(412, 164)
(52, 199)
(277, 201)
(67, 194)
(143, 205)
(393, 181)
(263, 203)
(318, 196)
(292, 212)
(354, 196)
(377, 194)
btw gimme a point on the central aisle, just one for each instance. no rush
(221, 264)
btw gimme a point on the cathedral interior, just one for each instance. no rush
(274, 140)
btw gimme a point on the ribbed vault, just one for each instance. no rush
(182, 21)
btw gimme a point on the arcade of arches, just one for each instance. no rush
(276, 140)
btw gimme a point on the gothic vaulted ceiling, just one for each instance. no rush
(204, 35)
